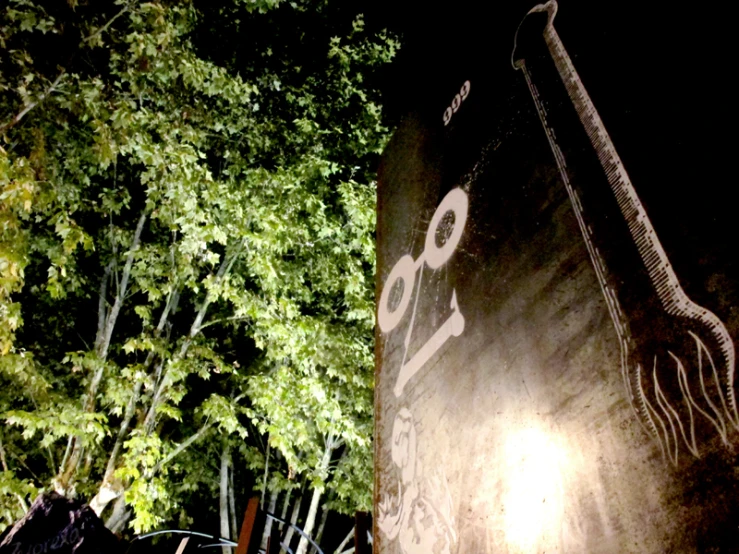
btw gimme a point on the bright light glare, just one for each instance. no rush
(533, 502)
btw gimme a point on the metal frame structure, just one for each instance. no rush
(220, 541)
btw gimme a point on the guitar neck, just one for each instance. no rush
(642, 232)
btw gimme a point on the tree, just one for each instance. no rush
(186, 247)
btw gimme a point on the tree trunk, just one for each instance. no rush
(346, 540)
(120, 514)
(109, 490)
(102, 345)
(293, 520)
(117, 520)
(268, 524)
(285, 506)
(266, 475)
(322, 525)
(232, 503)
(310, 519)
(223, 503)
(102, 342)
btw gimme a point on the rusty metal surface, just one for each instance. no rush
(514, 409)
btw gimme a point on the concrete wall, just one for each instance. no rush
(537, 388)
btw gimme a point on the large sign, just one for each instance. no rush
(557, 296)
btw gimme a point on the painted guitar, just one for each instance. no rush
(677, 357)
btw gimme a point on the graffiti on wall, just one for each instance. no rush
(680, 384)
(448, 223)
(420, 515)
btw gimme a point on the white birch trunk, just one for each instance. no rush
(268, 524)
(102, 344)
(322, 525)
(232, 503)
(285, 506)
(119, 517)
(310, 519)
(293, 519)
(108, 489)
(346, 540)
(223, 499)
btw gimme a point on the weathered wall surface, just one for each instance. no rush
(536, 391)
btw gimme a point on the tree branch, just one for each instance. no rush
(18, 459)
(232, 501)
(181, 448)
(195, 328)
(104, 343)
(102, 302)
(222, 320)
(223, 496)
(223, 270)
(105, 27)
(20, 115)
(107, 491)
(172, 301)
(346, 540)
(63, 73)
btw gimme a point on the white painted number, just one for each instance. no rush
(460, 97)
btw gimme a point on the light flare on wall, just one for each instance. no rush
(533, 502)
